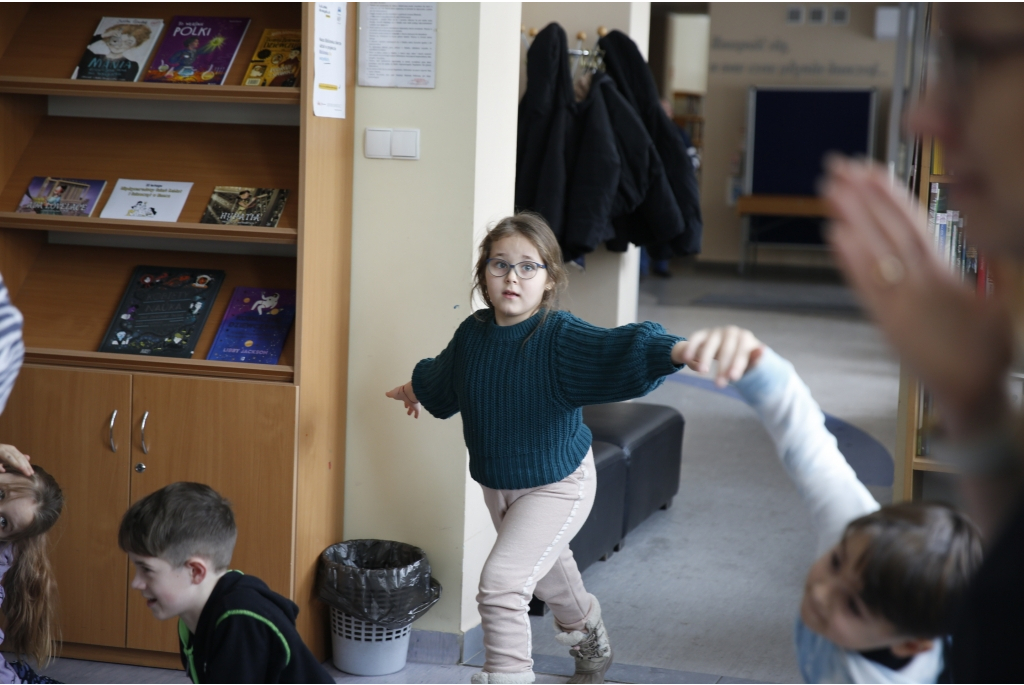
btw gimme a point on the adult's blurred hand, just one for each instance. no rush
(959, 345)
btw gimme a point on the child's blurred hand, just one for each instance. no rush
(11, 458)
(736, 350)
(404, 393)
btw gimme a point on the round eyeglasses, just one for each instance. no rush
(525, 270)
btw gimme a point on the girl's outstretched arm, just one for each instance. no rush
(404, 393)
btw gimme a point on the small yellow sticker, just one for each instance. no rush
(328, 86)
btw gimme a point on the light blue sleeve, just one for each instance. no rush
(808, 451)
(12, 349)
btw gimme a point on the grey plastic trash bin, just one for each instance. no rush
(376, 589)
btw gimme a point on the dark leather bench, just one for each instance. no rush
(638, 450)
(602, 532)
(651, 437)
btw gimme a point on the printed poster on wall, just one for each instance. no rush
(329, 62)
(397, 44)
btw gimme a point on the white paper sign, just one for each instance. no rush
(397, 44)
(329, 60)
(142, 200)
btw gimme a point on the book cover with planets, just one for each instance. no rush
(255, 326)
(197, 50)
(163, 311)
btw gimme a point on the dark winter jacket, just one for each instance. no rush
(246, 634)
(544, 113)
(645, 211)
(629, 70)
(593, 162)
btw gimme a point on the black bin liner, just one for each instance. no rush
(378, 581)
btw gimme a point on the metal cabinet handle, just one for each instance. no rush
(113, 445)
(145, 449)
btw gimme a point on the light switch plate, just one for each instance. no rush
(377, 144)
(405, 143)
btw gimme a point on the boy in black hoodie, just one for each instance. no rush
(232, 627)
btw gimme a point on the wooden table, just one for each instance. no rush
(774, 205)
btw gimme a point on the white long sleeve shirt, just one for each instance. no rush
(835, 497)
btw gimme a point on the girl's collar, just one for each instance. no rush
(515, 331)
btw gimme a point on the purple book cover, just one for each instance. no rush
(255, 326)
(197, 50)
(61, 196)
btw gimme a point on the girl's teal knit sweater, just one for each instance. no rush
(521, 395)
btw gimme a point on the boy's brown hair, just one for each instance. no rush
(179, 521)
(918, 564)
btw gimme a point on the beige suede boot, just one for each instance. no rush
(590, 648)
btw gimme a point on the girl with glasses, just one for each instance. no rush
(520, 372)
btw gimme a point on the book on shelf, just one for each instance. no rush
(163, 311)
(145, 200)
(118, 49)
(243, 206)
(197, 50)
(277, 60)
(948, 231)
(938, 158)
(255, 326)
(61, 196)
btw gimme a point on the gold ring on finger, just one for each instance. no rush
(891, 270)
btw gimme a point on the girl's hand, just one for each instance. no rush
(12, 459)
(404, 393)
(960, 345)
(736, 350)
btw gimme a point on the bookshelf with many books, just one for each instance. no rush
(113, 427)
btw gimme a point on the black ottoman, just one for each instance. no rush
(602, 532)
(603, 529)
(651, 436)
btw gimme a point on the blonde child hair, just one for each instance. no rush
(30, 604)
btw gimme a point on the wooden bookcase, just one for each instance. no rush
(688, 112)
(910, 468)
(269, 437)
(909, 480)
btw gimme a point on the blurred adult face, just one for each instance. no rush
(976, 108)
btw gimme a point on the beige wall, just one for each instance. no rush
(415, 226)
(606, 293)
(752, 45)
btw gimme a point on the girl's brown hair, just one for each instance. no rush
(31, 598)
(534, 228)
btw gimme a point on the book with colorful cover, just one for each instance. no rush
(197, 50)
(61, 196)
(245, 206)
(277, 60)
(119, 49)
(255, 326)
(145, 200)
(163, 311)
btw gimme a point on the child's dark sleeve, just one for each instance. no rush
(433, 382)
(598, 365)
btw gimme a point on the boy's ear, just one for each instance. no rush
(198, 568)
(912, 647)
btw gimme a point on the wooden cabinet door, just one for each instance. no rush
(238, 437)
(62, 418)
